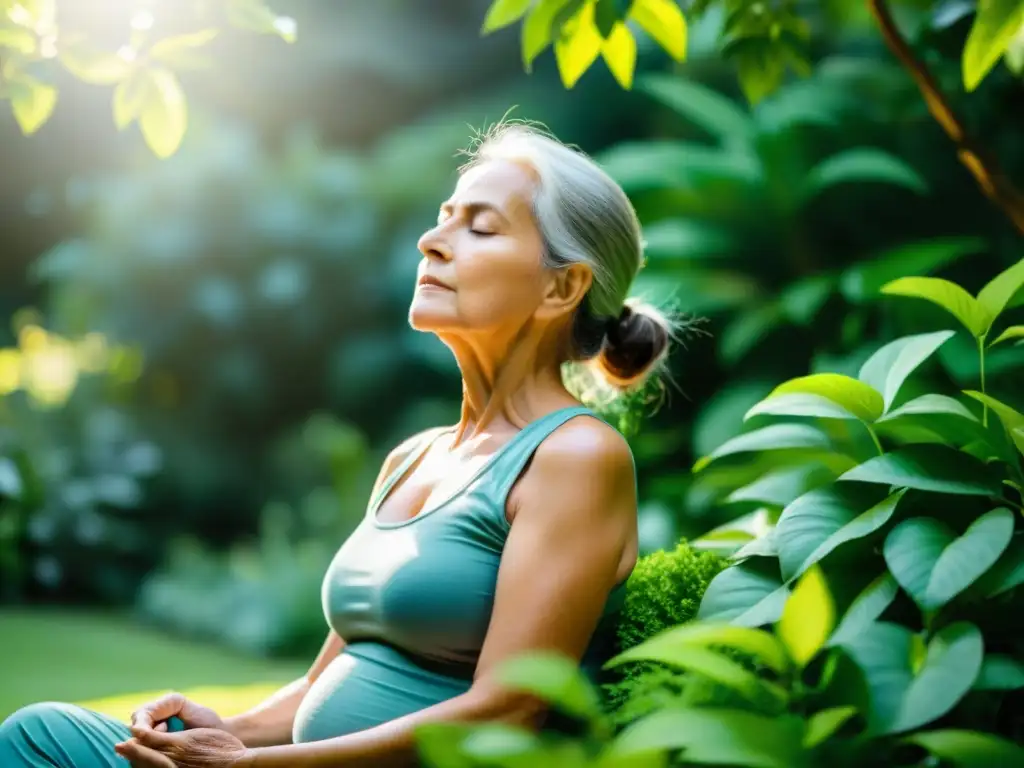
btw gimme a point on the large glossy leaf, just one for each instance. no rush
(901, 700)
(745, 595)
(934, 565)
(771, 438)
(815, 524)
(938, 405)
(995, 25)
(808, 617)
(950, 668)
(1007, 573)
(671, 241)
(1000, 673)
(862, 281)
(823, 724)
(719, 737)
(970, 749)
(701, 634)
(846, 398)
(935, 468)
(664, 21)
(798, 404)
(889, 367)
(703, 106)
(1003, 287)
(536, 34)
(859, 166)
(947, 295)
(619, 53)
(555, 679)
(652, 165)
(781, 486)
(866, 608)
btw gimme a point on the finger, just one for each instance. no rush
(160, 709)
(161, 726)
(155, 739)
(141, 756)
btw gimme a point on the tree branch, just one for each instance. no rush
(996, 185)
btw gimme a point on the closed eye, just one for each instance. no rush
(481, 233)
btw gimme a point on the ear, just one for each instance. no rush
(565, 290)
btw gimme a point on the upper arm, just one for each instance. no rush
(575, 521)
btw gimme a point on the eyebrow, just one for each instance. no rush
(473, 208)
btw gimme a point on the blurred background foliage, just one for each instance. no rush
(207, 357)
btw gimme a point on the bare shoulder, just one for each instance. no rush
(587, 460)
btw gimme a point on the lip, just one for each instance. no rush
(427, 281)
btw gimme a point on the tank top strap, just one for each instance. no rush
(518, 452)
(422, 442)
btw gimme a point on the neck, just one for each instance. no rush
(512, 380)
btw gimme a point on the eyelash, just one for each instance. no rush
(478, 233)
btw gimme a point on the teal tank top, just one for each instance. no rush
(412, 599)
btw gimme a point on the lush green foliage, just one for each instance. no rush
(763, 40)
(888, 588)
(142, 65)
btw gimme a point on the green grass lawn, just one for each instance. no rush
(110, 663)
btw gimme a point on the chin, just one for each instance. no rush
(430, 319)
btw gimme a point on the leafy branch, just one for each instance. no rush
(144, 71)
(982, 165)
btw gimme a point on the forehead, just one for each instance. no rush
(502, 183)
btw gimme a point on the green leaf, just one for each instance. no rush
(1011, 418)
(747, 328)
(663, 20)
(578, 47)
(901, 700)
(934, 566)
(853, 398)
(862, 281)
(1007, 573)
(440, 744)
(947, 295)
(859, 166)
(760, 67)
(808, 617)
(675, 241)
(772, 437)
(536, 34)
(502, 744)
(554, 678)
(1000, 673)
(18, 39)
(802, 301)
(995, 25)
(32, 102)
(866, 608)
(782, 486)
(798, 405)
(825, 723)
(744, 595)
(163, 116)
(701, 634)
(1013, 332)
(1003, 287)
(704, 107)
(970, 749)
(950, 668)
(818, 522)
(93, 65)
(931, 405)
(619, 53)
(889, 367)
(936, 468)
(129, 98)
(707, 663)
(504, 12)
(718, 736)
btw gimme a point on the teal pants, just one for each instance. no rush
(52, 735)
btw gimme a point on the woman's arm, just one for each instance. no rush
(270, 723)
(575, 522)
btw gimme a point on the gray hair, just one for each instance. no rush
(584, 217)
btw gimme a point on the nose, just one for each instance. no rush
(433, 246)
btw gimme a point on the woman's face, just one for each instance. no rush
(482, 269)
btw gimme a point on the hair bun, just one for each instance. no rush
(635, 341)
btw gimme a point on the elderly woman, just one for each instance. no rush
(512, 531)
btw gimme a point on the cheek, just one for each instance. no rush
(497, 287)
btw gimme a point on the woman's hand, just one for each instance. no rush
(197, 748)
(156, 713)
